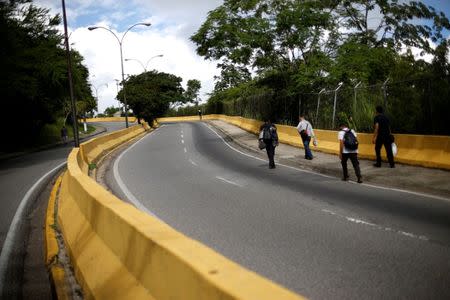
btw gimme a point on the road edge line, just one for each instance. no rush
(128, 194)
(18, 220)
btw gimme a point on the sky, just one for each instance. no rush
(173, 22)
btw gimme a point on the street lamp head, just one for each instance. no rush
(146, 24)
(92, 28)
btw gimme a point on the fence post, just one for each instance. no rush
(385, 93)
(335, 98)
(318, 104)
(354, 100)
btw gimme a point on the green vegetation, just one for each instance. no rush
(275, 57)
(151, 94)
(34, 84)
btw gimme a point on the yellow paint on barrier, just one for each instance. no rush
(420, 150)
(57, 273)
(119, 252)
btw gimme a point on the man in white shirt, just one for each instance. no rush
(348, 149)
(306, 132)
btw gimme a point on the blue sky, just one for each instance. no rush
(173, 22)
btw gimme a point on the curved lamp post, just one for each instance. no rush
(148, 61)
(120, 41)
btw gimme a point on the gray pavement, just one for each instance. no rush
(411, 178)
(312, 233)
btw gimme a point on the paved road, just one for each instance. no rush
(17, 177)
(316, 235)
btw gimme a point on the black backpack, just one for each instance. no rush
(267, 134)
(350, 141)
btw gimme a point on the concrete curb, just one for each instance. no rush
(56, 271)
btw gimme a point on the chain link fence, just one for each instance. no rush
(411, 106)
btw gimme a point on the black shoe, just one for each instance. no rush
(271, 167)
(359, 180)
(344, 178)
(377, 165)
(308, 158)
(392, 166)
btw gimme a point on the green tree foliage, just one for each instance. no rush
(192, 90)
(294, 49)
(110, 111)
(150, 94)
(391, 23)
(33, 82)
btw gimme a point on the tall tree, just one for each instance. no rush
(150, 94)
(392, 23)
(264, 35)
(192, 90)
(33, 81)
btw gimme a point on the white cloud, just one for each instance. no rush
(173, 21)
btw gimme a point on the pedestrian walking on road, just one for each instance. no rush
(269, 135)
(382, 136)
(306, 132)
(64, 135)
(348, 149)
(200, 114)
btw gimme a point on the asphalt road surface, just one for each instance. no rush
(316, 235)
(18, 177)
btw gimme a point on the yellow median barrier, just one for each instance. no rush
(119, 252)
(420, 150)
(110, 119)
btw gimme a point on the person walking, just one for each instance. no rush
(200, 114)
(268, 133)
(306, 132)
(348, 149)
(382, 136)
(64, 135)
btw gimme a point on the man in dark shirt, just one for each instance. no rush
(270, 138)
(382, 136)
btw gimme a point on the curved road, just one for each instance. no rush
(314, 234)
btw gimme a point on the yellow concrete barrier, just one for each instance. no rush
(119, 252)
(419, 150)
(56, 271)
(110, 119)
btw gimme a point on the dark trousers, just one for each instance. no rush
(270, 152)
(308, 153)
(386, 141)
(354, 159)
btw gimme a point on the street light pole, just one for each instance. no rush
(69, 71)
(148, 61)
(317, 108)
(96, 91)
(121, 60)
(117, 86)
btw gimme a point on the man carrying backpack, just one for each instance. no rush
(348, 149)
(270, 139)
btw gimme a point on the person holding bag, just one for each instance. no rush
(306, 132)
(382, 136)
